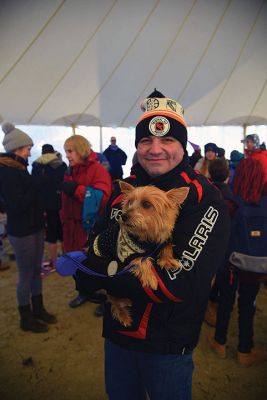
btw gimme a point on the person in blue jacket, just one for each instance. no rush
(116, 158)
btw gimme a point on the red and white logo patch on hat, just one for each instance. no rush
(159, 126)
(162, 117)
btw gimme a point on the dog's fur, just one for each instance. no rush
(149, 214)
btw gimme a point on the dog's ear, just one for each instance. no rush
(178, 196)
(126, 188)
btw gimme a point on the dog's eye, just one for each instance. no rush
(146, 204)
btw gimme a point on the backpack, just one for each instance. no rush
(248, 240)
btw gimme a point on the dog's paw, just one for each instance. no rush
(126, 321)
(125, 303)
(170, 263)
(144, 272)
(122, 315)
(154, 284)
(149, 281)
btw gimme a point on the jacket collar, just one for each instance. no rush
(12, 160)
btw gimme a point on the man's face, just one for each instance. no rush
(113, 140)
(158, 155)
(250, 144)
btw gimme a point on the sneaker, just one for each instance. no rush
(99, 311)
(47, 268)
(255, 356)
(217, 348)
(78, 301)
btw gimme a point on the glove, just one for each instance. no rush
(69, 188)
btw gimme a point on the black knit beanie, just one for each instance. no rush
(211, 147)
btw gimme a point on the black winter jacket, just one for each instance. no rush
(116, 159)
(19, 192)
(50, 169)
(168, 320)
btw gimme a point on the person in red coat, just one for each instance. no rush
(84, 171)
(254, 150)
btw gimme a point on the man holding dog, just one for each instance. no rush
(154, 355)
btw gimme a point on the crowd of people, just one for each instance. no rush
(78, 204)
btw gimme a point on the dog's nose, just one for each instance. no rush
(124, 217)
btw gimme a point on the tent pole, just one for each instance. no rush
(101, 139)
(73, 129)
(244, 137)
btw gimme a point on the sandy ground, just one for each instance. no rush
(67, 362)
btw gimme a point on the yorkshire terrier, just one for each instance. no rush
(149, 215)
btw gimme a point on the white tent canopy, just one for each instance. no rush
(91, 62)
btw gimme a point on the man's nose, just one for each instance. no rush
(155, 146)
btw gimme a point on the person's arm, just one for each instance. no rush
(21, 191)
(200, 242)
(104, 161)
(101, 181)
(198, 164)
(123, 157)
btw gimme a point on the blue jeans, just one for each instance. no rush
(29, 254)
(131, 374)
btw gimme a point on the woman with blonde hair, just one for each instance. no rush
(84, 172)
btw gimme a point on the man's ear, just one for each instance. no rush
(126, 188)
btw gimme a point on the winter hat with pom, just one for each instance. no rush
(162, 117)
(14, 138)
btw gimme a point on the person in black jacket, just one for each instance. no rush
(116, 158)
(154, 355)
(3, 265)
(50, 168)
(248, 190)
(219, 175)
(25, 227)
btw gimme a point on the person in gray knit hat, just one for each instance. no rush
(25, 227)
(14, 138)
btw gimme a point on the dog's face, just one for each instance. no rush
(149, 213)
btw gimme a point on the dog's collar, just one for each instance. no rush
(127, 246)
